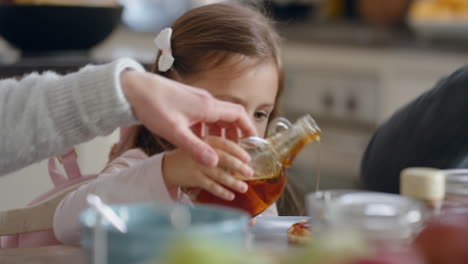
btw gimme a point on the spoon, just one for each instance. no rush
(106, 212)
(180, 217)
(100, 237)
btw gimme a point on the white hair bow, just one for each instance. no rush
(163, 43)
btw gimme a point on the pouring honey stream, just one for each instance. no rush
(270, 158)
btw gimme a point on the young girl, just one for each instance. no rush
(233, 53)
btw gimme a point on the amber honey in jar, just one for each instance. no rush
(269, 158)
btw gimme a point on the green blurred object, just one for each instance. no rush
(203, 250)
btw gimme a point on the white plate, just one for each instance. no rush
(270, 231)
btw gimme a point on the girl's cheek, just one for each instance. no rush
(261, 130)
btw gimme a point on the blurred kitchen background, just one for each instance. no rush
(349, 63)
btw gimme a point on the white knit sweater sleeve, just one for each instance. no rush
(43, 115)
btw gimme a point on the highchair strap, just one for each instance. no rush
(123, 133)
(70, 164)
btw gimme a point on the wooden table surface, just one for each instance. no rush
(43, 255)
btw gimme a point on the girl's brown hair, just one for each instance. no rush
(207, 37)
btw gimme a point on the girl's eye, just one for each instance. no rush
(260, 116)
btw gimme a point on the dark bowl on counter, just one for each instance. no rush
(39, 28)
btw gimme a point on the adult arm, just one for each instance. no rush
(43, 115)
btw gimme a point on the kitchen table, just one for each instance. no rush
(269, 233)
(43, 255)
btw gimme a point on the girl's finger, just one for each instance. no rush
(223, 177)
(232, 164)
(229, 147)
(216, 189)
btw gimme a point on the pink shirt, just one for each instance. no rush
(131, 178)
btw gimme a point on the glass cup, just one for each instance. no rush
(456, 191)
(379, 217)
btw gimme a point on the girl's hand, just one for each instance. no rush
(181, 170)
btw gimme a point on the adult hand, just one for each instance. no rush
(169, 109)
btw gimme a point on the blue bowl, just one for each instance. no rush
(150, 231)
